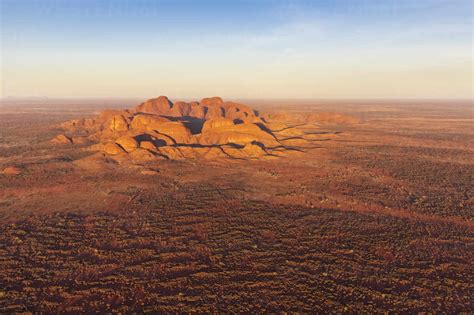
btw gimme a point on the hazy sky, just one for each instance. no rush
(244, 49)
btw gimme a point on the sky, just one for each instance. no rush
(237, 49)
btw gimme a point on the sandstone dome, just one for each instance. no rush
(210, 129)
(159, 105)
(211, 101)
(198, 111)
(180, 109)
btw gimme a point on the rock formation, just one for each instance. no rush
(159, 128)
(11, 170)
(62, 139)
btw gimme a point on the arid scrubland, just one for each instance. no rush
(366, 210)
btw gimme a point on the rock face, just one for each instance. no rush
(213, 124)
(112, 149)
(147, 122)
(118, 123)
(127, 143)
(159, 128)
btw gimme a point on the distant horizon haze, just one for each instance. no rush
(278, 49)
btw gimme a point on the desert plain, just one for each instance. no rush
(366, 210)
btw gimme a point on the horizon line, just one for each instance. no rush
(235, 98)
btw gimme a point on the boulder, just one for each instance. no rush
(12, 171)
